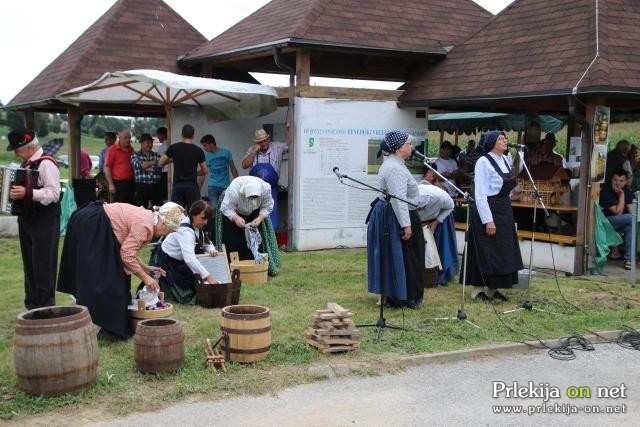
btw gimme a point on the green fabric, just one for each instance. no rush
(67, 207)
(269, 242)
(175, 293)
(606, 236)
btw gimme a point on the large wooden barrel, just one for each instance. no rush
(159, 345)
(219, 294)
(55, 350)
(248, 328)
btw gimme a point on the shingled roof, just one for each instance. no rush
(428, 27)
(538, 49)
(132, 34)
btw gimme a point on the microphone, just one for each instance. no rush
(517, 146)
(418, 154)
(336, 170)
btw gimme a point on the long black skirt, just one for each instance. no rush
(413, 253)
(180, 283)
(493, 261)
(233, 236)
(91, 269)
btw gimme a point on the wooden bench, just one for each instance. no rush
(560, 239)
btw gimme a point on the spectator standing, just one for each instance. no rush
(118, 169)
(186, 158)
(161, 133)
(109, 140)
(147, 173)
(618, 159)
(264, 151)
(219, 161)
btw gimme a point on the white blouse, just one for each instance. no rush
(181, 245)
(487, 182)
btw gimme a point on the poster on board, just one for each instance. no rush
(345, 134)
(601, 120)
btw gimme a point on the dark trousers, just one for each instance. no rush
(185, 193)
(124, 191)
(164, 187)
(146, 193)
(39, 235)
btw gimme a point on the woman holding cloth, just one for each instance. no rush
(177, 255)
(395, 242)
(100, 254)
(494, 254)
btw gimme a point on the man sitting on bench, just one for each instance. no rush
(616, 199)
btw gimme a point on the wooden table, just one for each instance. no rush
(550, 207)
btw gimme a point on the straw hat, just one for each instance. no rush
(260, 135)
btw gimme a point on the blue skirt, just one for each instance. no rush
(385, 272)
(445, 237)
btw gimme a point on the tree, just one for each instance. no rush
(42, 125)
(15, 119)
(98, 131)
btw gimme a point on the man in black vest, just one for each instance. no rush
(39, 221)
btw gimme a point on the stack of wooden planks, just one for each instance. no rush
(333, 330)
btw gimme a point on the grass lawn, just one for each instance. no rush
(308, 281)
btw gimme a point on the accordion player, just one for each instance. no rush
(10, 176)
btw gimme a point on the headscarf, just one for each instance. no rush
(392, 142)
(170, 213)
(251, 187)
(490, 139)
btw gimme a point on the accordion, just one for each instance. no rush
(15, 176)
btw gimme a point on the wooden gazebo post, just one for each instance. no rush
(75, 117)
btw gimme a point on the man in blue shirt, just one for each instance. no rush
(219, 161)
(616, 200)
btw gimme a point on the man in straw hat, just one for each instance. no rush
(264, 151)
(264, 159)
(39, 221)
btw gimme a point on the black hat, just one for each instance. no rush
(19, 137)
(145, 137)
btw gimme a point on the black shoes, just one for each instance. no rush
(481, 296)
(498, 296)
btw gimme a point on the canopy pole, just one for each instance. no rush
(168, 110)
(441, 137)
(456, 137)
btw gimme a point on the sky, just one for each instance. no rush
(34, 32)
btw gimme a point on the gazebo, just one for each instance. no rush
(374, 39)
(132, 34)
(545, 56)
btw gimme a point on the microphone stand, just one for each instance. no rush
(462, 315)
(527, 304)
(381, 324)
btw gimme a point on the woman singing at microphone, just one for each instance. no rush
(395, 243)
(494, 253)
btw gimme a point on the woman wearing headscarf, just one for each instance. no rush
(494, 256)
(395, 242)
(177, 255)
(100, 254)
(245, 208)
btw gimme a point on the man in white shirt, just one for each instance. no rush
(38, 221)
(448, 167)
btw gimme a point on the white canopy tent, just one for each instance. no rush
(219, 99)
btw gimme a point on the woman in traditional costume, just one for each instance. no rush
(494, 253)
(177, 255)
(100, 254)
(395, 241)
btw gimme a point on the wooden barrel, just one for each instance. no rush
(219, 294)
(249, 270)
(248, 328)
(55, 350)
(159, 345)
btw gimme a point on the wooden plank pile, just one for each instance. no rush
(333, 330)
